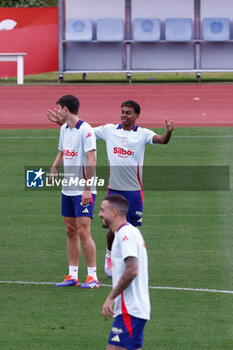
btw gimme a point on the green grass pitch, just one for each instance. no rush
(188, 236)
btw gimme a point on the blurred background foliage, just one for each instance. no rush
(28, 3)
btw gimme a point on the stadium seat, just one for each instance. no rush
(146, 29)
(178, 29)
(79, 29)
(216, 29)
(110, 29)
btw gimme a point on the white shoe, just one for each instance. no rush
(108, 266)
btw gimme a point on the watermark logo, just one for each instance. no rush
(126, 178)
(35, 178)
(71, 179)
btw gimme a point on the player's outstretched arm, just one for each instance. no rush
(54, 117)
(165, 138)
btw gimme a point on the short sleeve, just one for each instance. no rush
(60, 145)
(128, 244)
(89, 140)
(148, 135)
(101, 132)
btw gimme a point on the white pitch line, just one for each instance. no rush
(195, 290)
(151, 287)
(25, 282)
(201, 136)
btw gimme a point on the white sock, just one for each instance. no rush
(91, 271)
(108, 253)
(73, 272)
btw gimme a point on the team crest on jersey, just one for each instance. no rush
(124, 141)
(70, 141)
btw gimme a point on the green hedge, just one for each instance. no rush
(28, 3)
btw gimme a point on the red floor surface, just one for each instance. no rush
(188, 105)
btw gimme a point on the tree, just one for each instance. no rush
(28, 3)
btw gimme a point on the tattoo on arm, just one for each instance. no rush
(131, 270)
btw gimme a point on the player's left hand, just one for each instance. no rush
(169, 124)
(86, 197)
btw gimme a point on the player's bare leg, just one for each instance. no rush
(73, 252)
(84, 231)
(73, 241)
(114, 347)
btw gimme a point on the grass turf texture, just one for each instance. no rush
(187, 233)
(51, 78)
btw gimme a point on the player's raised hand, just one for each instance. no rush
(169, 124)
(54, 117)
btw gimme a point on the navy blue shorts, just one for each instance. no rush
(127, 332)
(135, 200)
(71, 206)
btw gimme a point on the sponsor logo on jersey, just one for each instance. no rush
(123, 152)
(67, 153)
(125, 238)
(89, 135)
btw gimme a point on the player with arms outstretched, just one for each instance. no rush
(125, 143)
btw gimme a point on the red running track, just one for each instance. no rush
(188, 105)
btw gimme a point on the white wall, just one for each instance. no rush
(94, 9)
(217, 8)
(162, 8)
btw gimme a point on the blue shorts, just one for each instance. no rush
(135, 200)
(71, 206)
(127, 332)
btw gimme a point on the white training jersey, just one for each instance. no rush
(74, 143)
(134, 300)
(125, 150)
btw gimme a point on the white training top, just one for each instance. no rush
(134, 300)
(74, 143)
(125, 151)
